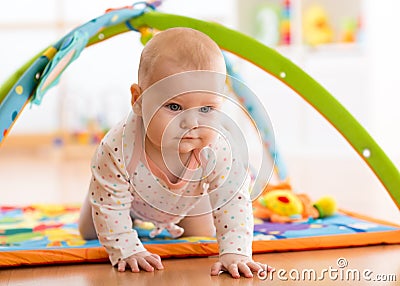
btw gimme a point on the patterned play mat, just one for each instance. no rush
(48, 234)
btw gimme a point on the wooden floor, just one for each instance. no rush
(50, 175)
(376, 260)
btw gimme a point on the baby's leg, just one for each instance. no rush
(202, 225)
(85, 224)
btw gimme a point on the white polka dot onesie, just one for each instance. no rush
(127, 183)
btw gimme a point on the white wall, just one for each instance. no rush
(95, 85)
(383, 43)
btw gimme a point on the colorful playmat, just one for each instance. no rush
(48, 234)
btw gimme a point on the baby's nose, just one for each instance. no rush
(189, 121)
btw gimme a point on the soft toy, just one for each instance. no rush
(316, 27)
(281, 204)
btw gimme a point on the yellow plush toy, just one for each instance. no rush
(280, 204)
(316, 27)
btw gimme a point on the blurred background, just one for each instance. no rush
(350, 47)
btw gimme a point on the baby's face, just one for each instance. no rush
(183, 122)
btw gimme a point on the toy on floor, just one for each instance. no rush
(280, 204)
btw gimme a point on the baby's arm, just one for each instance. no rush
(111, 200)
(234, 223)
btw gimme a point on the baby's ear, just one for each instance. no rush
(136, 100)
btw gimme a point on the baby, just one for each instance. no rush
(168, 164)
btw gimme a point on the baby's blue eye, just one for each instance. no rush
(174, 107)
(205, 109)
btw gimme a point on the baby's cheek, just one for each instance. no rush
(168, 129)
(209, 136)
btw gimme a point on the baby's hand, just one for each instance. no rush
(236, 264)
(142, 260)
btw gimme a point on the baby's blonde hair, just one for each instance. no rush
(185, 48)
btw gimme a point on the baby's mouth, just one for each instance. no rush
(189, 136)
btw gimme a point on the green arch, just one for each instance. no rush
(287, 72)
(291, 75)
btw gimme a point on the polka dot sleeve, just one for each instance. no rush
(111, 200)
(233, 213)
